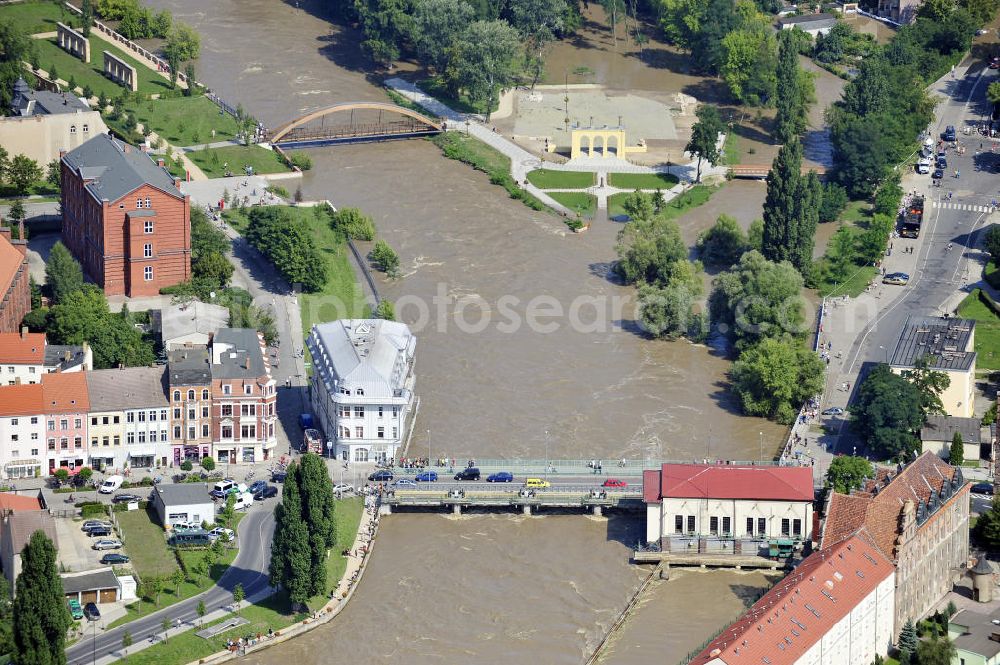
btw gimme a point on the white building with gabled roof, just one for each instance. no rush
(362, 386)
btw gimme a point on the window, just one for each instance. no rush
(395, 411)
(248, 390)
(190, 394)
(148, 203)
(749, 526)
(227, 410)
(227, 431)
(359, 412)
(77, 423)
(34, 420)
(104, 420)
(270, 409)
(117, 419)
(678, 524)
(690, 523)
(177, 395)
(204, 430)
(785, 527)
(142, 416)
(727, 526)
(361, 455)
(52, 444)
(192, 413)
(93, 421)
(248, 431)
(713, 526)
(227, 389)
(797, 528)
(152, 416)
(13, 421)
(147, 250)
(204, 412)
(14, 437)
(34, 436)
(52, 425)
(147, 273)
(34, 451)
(106, 441)
(129, 437)
(147, 226)
(345, 411)
(86, 129)
(163, 435)
(270, 430)
(248, 409)
(130, 417)
(395, 432)
(72, 129)
(381, 432)
(359, 432)
(93, 441)
(204, 394)
(163, 415)
(177, 414)
(761, 526)
(138, 203)
(177, 432)
(380, 412)
(31, 370)
(142, 437)
(78, 442)
(192, 432)
(118, 440)
(63, 424)
(345, 432)
(361, 391)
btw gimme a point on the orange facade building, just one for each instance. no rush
(125, 218)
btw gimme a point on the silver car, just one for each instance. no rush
(107, 544)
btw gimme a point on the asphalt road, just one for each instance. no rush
(249, 569)
(941, 271)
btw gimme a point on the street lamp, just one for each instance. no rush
(761, 446)
(885, 353)
(428, 447)
(546, 454)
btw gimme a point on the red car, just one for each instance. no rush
(614, 482)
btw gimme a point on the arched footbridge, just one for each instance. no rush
(353, 122)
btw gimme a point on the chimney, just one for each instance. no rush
(20, 230)
(24, 331)
(246, 362)
(177, 183)
(62, 153)
(160, 162)
(67, 356)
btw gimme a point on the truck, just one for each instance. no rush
(312, 442)
(911, 218)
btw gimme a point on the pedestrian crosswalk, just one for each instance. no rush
(954, 205)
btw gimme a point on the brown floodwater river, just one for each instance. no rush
(581, 382)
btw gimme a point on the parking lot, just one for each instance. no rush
(75, 551)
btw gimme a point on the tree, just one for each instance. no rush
(22, 173)
(126, 642)
(87, 17)
(177, 578)
(183, 43)
(538, 21)
(724, 243)
(385, 258)
(16, 47)
(4, 161)
(63, 274)
(748, 65)
(289, 244)
(437, 26)
(239, 595)
(154, 587)
(62, 475)
(353, 223)
(214, 267)
(486, 61)
(41, 617)
(834, 201)
(988, 526)
(993, 93)
(84, 475)
(229, 510)
(165, 624)
(991, 241)
(15, 214)
(53, 175)
(847, 473)
(704, 143)
(908, 639)
(930, 384)
(669, 311)
(791, 209)
(794, 89)
(201, 612)
(887, 413)
(936, 651)
(757, 299)
(6, 618)
(208, 463)
(385, 310)
(775, 376)
(189, 77)
(640, 206)
(650, 251)
(956, 455)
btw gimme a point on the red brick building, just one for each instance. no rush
(15, 290)
(125, 218)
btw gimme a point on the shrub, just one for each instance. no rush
(92, 509)
(186, 465)
(208, 463)
(385, 258)
(353, 223)
(301, 160)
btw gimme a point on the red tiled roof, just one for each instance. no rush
(17, 349)
(879, 505)
(65, 393)
(10, 502)
(831, 582)
(22, 400)
(719, 481)
(10, 262)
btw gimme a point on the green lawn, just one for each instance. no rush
(731, 149)
(184, 121)
(642, 180)
(581, 202)
(854, 285)
(987, 330)
(857, 213)
(854, 218)
(677, 206)
(549, 179)
(348, 514)
(146, 544)
(213, 160)
(36, 17)
(92, 73)
(342, 296)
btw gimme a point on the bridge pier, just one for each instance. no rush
(384, 509)
(526, 509)
(456, 509)
(597, 511)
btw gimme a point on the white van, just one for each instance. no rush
(111, 484)
(243, 501)
(222, 488)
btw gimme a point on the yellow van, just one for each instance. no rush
(537, 483)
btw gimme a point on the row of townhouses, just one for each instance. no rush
(215, 400)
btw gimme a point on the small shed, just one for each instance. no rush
(183, 502)
(937, 433)
(190, 323)
(92, 586)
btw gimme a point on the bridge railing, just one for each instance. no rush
(564, 467)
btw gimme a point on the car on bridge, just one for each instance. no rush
(380, 476)
(470, 473)
(896, 278)
(614, 482)
(405, 482)
(500, 477)
(427, 477)
(537, 483)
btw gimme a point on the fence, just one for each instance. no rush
(365, 271)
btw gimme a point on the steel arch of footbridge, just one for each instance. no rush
(277, 134)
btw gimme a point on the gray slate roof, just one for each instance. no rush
(231, 349)
(55, 356)
(92, 581)
(189, 366)
(370, 353)
(943, 428)
(21, 525)
(980, 628)
(117, 168)
(196, 317)
(945, 340)
(27, 102)
(183, 494)
(127, 388)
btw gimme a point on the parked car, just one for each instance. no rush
(500, 477)
(93, 524)
(114, 559)
(267, 492)
(614, 482)
(942, 163)
(982, 488)
(186, 526)
(278, 477)
(405, 482)
(897, 278)
(220, 532)
(938, 174)
(833, 411)
(74, 608)
(949, 133)
(427, 477)
(380, 476)
(238, 489)
(111, 484)
(243, 501)
(126, 498)
(222, 487)
(91, 612)
(924, 166)
(343, 488)
(257, 486)
(471, 473)
(104, 530)
(107, 544)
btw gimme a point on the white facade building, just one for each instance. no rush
(362, 386)
(22, 432)
(25, 357)
(836, 608)
(129, 417)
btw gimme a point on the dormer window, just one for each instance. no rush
(86, 129)
(227, 389)
(361, 391)
(72, 129)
